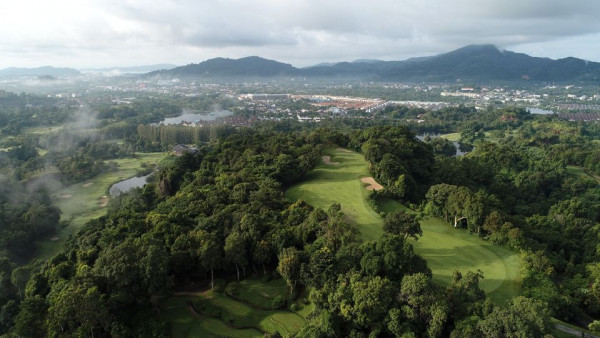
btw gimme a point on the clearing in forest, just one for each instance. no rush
(327, 185)
(81, 202)
(445, 248)
(247, 313)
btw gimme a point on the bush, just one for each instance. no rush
(278, 302)
(233, 289)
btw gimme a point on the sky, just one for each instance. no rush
(109, 33)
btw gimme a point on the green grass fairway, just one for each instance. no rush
(446, 249)
(220, 315)
(176, 310)
(329, 184)
(454, 137)
(260, 293)
(82, 201)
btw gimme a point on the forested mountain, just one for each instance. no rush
(474, 63)
(251, 66)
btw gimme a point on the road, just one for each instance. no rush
(575, 332)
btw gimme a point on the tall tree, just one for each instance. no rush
(289, 266)
(402, 223)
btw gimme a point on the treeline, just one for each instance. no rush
(178, 134)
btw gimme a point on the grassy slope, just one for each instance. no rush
(176, 311)
(445, 249)
(234, 315)
(84, 202)
(329, 184)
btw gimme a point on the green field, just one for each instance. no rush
(329, 184)
(208, 313)
(454, 137)
(446, 249)
(86, 200)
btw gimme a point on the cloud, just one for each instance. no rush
(111, 32)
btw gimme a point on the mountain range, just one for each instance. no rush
(471, 63)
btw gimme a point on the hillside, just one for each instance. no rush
(474, 63)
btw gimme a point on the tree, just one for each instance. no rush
(78, 310)
(402, 223)
(289, 266)
(30, 322)
(235, 251)
(521, 317)
(262, 254)
(210, 254)
(321, 266)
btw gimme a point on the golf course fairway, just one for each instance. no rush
(445, 248)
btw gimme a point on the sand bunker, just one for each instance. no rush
(65, 196)
(327, 160)
(55, 238)
(344, 150)
(372, 184)
(103, 201)
(89, 184)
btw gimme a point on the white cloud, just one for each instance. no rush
(116, 32)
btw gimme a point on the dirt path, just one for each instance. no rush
(372, 184)
(327, 160)
(344, 150)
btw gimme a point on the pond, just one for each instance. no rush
(195, 117)
(128, 184)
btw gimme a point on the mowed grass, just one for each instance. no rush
(213, 313)
(184, 323)
(329, 184)
(446, 249)
(260, 293)
(86, 200)
(454, 137)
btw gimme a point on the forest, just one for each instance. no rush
(220, 216)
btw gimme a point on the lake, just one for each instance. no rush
(126, 185)
(194, 117)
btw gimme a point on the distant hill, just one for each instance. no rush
(40, 71)
(251, 66)
(470, 63)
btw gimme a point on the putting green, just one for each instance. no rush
(446, 249)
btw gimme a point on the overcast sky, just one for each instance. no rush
(98, 33)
